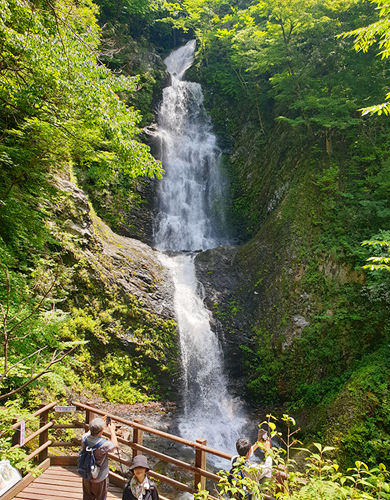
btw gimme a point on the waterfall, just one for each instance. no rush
(187, 221)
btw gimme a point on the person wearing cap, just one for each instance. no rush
(140, 487)
(96, 489)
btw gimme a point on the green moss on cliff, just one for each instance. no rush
(317, 320)
(128, 352)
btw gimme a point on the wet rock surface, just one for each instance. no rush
(135, 267)
(128, 263)
(138, 222)
(224, 282)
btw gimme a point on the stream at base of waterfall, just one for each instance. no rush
(190, 218)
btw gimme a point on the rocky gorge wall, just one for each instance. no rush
(300, 319)
(301, 324)
(121, 300)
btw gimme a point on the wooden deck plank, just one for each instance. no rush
(60, 483)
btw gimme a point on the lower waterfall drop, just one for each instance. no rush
(209, 410)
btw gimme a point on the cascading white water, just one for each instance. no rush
(187, 222)
(192, 185)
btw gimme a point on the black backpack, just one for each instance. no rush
(86, 461)
(236, 474)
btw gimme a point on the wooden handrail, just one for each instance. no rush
(156, 432)
(36, 433)
(64, 444)
(67, 426)
(38, 412)
(38, 450)
(170, 481)
(174, 461)
(120, 460)
(198, 470)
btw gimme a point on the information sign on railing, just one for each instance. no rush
(64, 409)
(22, 429)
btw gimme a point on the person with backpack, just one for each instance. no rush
(241, 466)
(140, 487)
(93, 459)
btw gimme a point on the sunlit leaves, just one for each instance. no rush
(50, 73)
(375, 33)
(382, 262)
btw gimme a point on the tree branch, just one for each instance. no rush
(37, 307)
(35, 377)
(5, 374)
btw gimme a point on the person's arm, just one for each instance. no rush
(254, 448)
(111, 428)
(266, 468)
(260, 440)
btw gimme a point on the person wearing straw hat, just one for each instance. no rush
(140, 487)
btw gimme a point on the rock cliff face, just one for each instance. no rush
(118, 281)
(222, 278)
(130, 264)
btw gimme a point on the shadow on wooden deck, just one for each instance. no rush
(59, 483)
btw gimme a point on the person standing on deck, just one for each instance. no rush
(96, 489)
(140, 487)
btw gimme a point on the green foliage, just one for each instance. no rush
(322, 478)
(123, 392)
(375, 33)
(286, 50)
(384, 261)
(8, 414)
(57, 102)
(28, 326)
(60, 106)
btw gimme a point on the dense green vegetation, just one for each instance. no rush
(60, 111)
(319, 478)
(310, 182)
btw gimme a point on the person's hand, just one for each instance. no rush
(262, 435)
(110, 425)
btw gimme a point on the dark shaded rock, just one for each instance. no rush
(139, 221)
(226, 297)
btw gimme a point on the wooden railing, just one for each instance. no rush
(198, 469)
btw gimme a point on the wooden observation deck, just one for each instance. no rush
(60, 483)
(59, 479)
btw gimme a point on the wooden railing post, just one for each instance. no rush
(16, 434)
(200, 461)
(138, 436)
(89, 415)
(44, 436)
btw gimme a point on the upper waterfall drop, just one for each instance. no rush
(192, 184)
(180, 60)
(187, 221)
